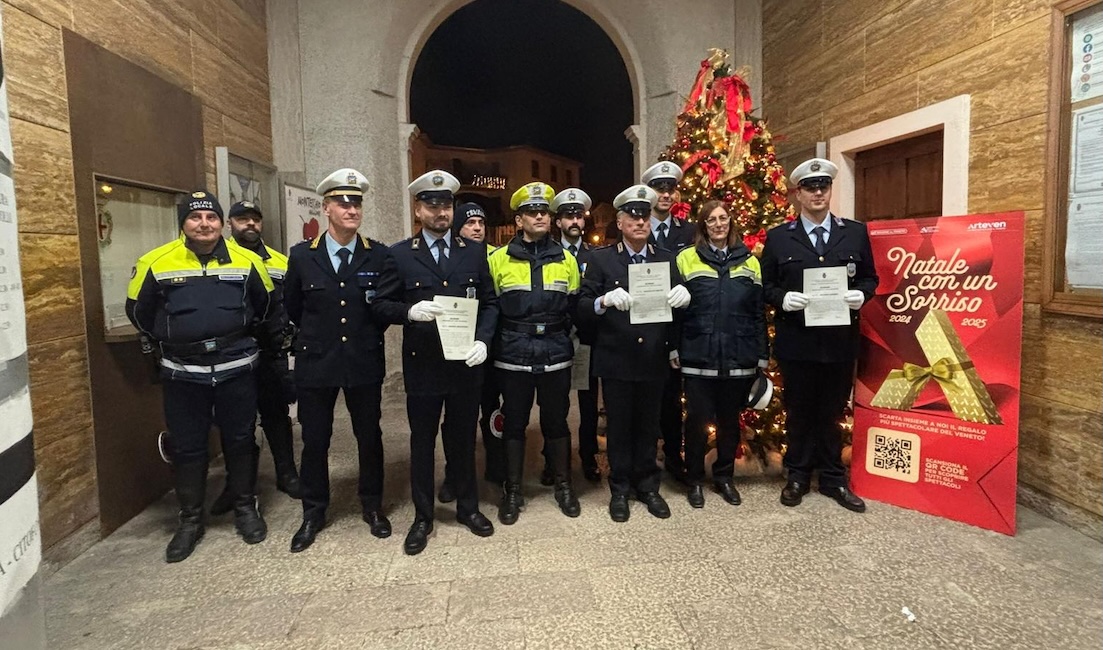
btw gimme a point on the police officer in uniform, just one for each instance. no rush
(673, 235)
(722, 348)
(816, 363)
(204, 305)
(632, 360)
(433, 264)
(537, 284)
(333, 282)
(275, 387)
(571, 207)
(470, 222)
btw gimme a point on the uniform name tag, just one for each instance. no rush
(231, 278)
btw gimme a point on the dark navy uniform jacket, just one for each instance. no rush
(622, 350)
(340, 339)
(787, 253)
(424, 368)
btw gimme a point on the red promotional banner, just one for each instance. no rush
(936, 403)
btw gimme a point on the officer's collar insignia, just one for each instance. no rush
(650, 249)
(641, 193)
(792, 225)
(460, 242)
(620, 247)
(438, 180)
(198, 195)
(415, 243)
(352, 179)
(840, 222)
(366, 242)
(815, 167)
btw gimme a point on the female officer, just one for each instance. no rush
(722, 346)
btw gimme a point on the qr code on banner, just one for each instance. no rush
(893, 454)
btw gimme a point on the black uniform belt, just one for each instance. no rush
(204, 346)
(538, 329)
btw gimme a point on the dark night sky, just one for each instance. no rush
(538, 72)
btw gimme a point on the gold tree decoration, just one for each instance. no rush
(726, 153)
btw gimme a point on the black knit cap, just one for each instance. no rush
(198, 200)
(465, 211)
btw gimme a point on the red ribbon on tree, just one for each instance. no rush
(692, 160)
(713, 169)
(698, 86)
(680, 210)
(737, 96)
(754, 239)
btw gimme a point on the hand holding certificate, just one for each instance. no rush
(649, 284)
(456, 326)
(826, 288)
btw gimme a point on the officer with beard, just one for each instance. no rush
(571, 207)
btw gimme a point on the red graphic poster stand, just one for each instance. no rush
(936, 415)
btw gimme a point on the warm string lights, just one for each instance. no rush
(756, 197)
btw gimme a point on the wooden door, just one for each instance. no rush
(902, 180)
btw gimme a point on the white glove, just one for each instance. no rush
(618, 299)
(678, 296)
(425, 311)
(794, 301)
(854, 299)
(476, 355)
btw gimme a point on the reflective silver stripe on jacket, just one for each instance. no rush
(704, 372)
(209, 370)
(518, 368)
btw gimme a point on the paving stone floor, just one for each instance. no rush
(756, 576)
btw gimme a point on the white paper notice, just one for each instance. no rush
(1086, 49)
(825, 288)
(648, 284)
(1086, 155)
(456, 326)
(1084, 243)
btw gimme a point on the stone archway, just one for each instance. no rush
(617, 34)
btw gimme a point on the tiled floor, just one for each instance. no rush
(757, 576)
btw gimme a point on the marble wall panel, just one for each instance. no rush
(51, 286)
(152, 38)
(1019, 145)
(34, 70)
(1005, 77)
(61, 399)
(58, 13)
(43, 159)
(919, 33)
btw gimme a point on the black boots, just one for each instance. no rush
(241, 482)
(283, 455)
(191, 485)
(512, 500)
(559, 453)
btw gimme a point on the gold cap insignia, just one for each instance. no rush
(352, 179)
(438, 180)
(198, 195)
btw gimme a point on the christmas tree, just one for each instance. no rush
(726, 153)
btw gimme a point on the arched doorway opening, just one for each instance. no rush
(506, 91)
